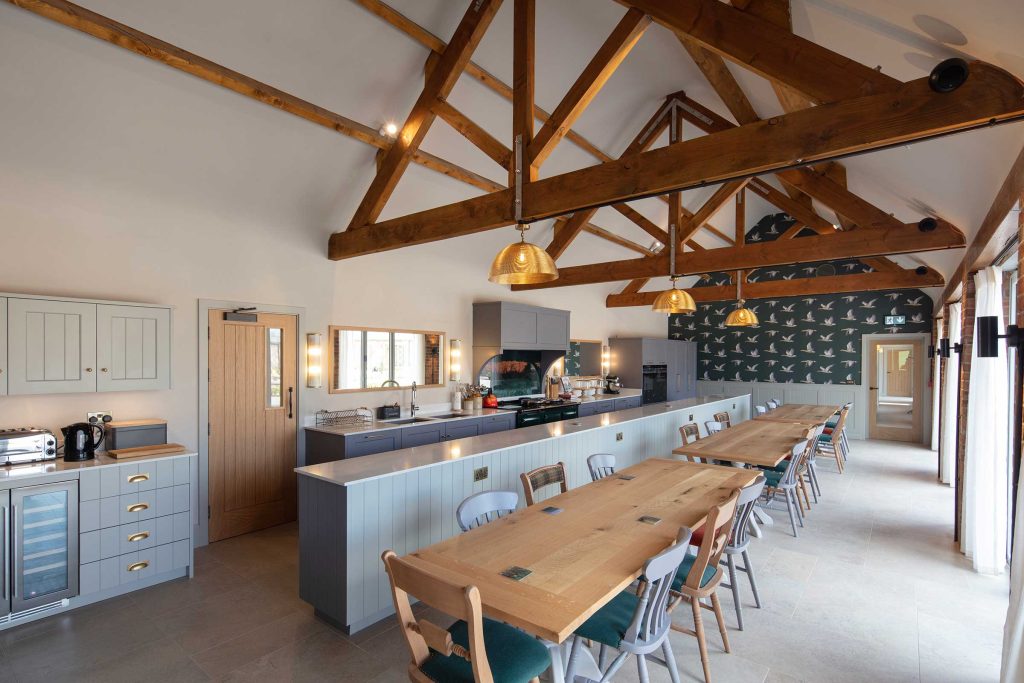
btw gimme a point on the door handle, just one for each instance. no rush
(872, 388)
(141, 536)
(14, 548)
(290, 390)
(138, 507)
(3, 554)
(136, 478)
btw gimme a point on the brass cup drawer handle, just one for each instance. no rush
(136, 478)
(141, 536)
(137, 566)
(138, 507)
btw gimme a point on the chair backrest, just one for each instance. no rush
(812, 442)
(761, 410)
(744, 508)
(484, 507)
(601, 465)
(651, 620)
(690, 432)
(717, 531)
(778, 401)
(421, 636)
(713, 427)
(795, 463)
(541, 477)
(772, 404)
(723, 417)
(841, 422)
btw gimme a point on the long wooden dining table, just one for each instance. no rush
(803, 413)
(586, 550)
(751, 442)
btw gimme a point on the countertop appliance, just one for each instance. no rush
(80, 441)
(612, 384)
(536, 410)
(26, 444)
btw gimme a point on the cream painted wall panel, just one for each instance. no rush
(3, 346)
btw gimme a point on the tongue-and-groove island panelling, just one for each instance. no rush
(811, 340)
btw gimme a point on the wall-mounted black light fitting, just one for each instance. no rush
(948, 75)
(958, 347)
(927, 224)
(944, 347)
(988, 336)
(921, 270)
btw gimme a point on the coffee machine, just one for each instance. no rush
(612, 385)
(81, 440)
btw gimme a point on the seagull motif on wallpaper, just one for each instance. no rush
(848, 363)
(771, 333)
(809, 348)
(771, 320)
(705, 376)
(915, 302)
(788, 277)
(753, 340)
(826, 337)
(849, 330)
(871, 320)
(754, 237)
(720, 311)
(692, 327)
(755, 353)
(772, 273)
(772, 230)
(789, 308)
(789, 353)
(790, 323)
(753, 368)
(894, 311)
(706, 334)
(807, 379)
(788, 338)
(809, 300)
(737, 377)
(771, 377)
(737, 333)
(849, 316)
(676, 335)
(720, 340)
(849, 299)
(811, 270)
(826, 369)
(850, 266)
(868, 304)
(826, 306)
(829, 322)
(738, 349)
(752, 279)
(737, 361)
(705, 322)
(848, 380)
(771, 348)
(809, 318)
(720, 353)
(771, 363)
(917, 318)
(807, 363)
(720, 368)
(829, 353)
(786, 368)
(893, 330)
(827, 381)
(706, 349)
(893, 295)
(849, 348)
(705, 361)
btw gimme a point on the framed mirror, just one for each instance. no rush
(584, 358)
(380, 359)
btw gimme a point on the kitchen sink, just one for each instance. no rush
(408, 420)
(446, 416)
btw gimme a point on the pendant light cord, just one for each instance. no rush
(672, 253)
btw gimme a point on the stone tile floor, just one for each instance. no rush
(872, 590)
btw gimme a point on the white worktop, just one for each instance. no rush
(380, 425)
(350, 471)
(59, 466)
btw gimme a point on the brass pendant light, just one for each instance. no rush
(673, 300)
(741, 317)
(522, 263)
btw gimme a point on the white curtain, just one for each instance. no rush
(935, 388)
(985, 477)
(950, 394)
(1013, 632)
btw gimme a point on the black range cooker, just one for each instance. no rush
(535, 411)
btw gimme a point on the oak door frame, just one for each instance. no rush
(924, 338)
(202, 531)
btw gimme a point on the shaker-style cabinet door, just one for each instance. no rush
(51, 346)
(3, 346)
(132, 348)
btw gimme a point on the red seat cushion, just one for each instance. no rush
(697, 538)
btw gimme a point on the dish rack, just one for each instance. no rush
(343, 418)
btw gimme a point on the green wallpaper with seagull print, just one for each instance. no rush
(811, 340)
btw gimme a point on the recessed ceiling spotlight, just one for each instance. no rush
(389, 129)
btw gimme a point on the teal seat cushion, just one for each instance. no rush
(772, 477)
(514, 656)
(827, 438)
(684, 571)
(781, 467)
(608, 625)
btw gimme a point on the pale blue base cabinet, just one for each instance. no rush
(84, 532)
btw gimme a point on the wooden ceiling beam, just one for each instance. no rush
(792, 231)
(741, 218)
(767, 49)
(440, 82)
(777, 289)
(648, 134)
(642, 221)
(610, 236)
(714, 68)
(523, 74)
(123, 36)
(840, 245)
(993, 234)
(604, 63)
(469, 129)
(989, 96)
(721, 196)
(776, 12)
(794, 207)
(430, 41)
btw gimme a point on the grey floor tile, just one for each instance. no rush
(322, 657)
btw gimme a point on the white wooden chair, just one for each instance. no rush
(601, 465)
(484, 507)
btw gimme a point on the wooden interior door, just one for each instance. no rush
(253, 369)
(895, 416)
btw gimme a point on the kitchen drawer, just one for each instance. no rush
(127, 538)
(629, 402)
(497, 423)
(107, 482)
(133, 567)
(108, 512)
(139, 477)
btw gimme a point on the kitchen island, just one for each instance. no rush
(351, 511)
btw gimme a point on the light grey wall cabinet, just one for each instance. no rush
(656, 351)
(55, 346)
(500, 326)
(682, 370)
(629, 355)
(497, 423)
(40, 545)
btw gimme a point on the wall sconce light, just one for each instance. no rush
(944, 347)
(606, 359)
(455, 360)
(988, 336)
(314, 360)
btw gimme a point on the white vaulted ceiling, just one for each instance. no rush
(338, 55)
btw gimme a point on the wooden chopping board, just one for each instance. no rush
(140, 451)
